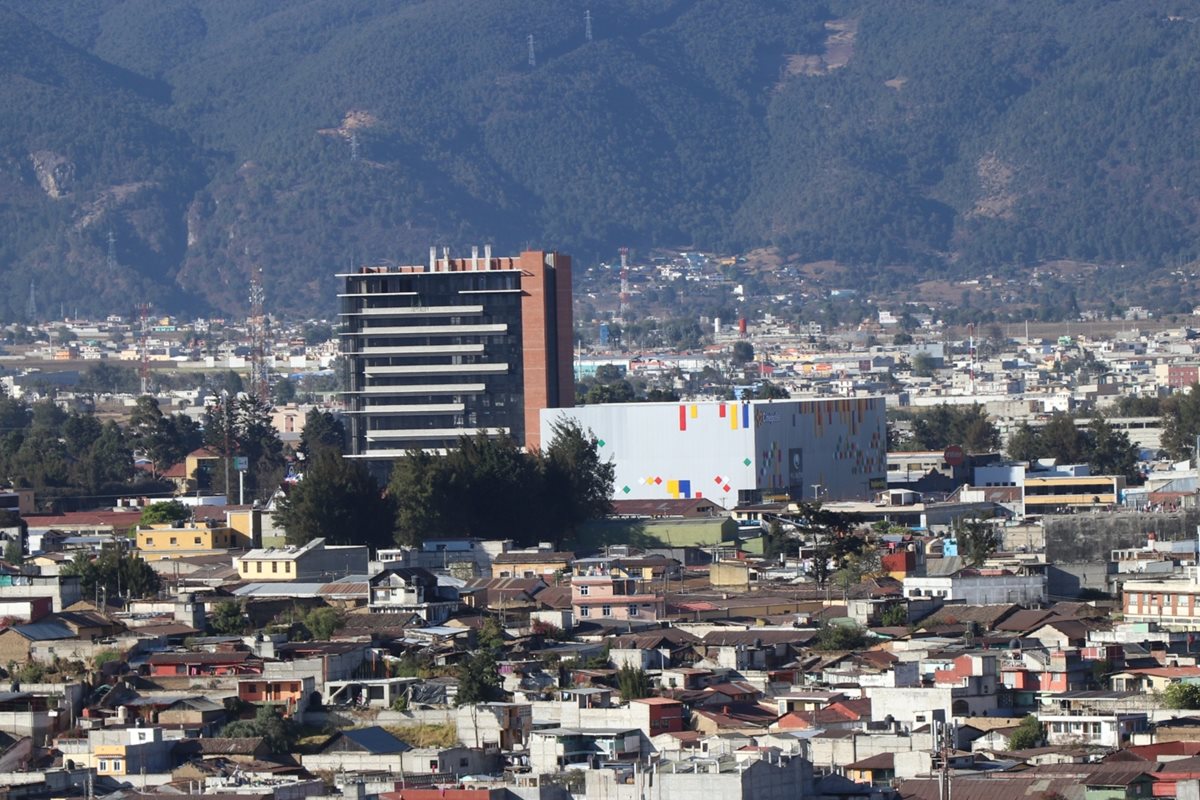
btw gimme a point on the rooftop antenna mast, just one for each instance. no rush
(144, 347)
(31, 307)
(354, 147)
(587, 24)
(532, 53)
(259, 376)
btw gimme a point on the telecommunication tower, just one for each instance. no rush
(532, 53)
(354, 147)
(623, 297)
(259, 373)
(111, 262)
(31, 306)
(587, 24)
(144, 346)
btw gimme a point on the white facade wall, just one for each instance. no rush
(718, 450)
(979, 589)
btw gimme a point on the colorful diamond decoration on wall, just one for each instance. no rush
(726, 487)
(658, 481)
(626, 489)
(746, 461)
(600, 442)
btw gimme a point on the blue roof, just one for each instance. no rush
(45, 631)
(376, 740)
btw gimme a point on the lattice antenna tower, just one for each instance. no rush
(532, 52)
(623, 296)
(31, 307)
(144, 346)
(587, 24)
(259, 373)
(354, 147)
(112, 252)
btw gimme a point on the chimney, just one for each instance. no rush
(433, 259)
(487, 256)
(474, 257)
(446, 259)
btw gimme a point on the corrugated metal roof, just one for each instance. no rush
(45, 631)
(376, 740)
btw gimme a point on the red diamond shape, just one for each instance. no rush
(658, 481)
(726, 487)
(717, 480)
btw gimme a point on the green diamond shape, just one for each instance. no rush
(625, 489)
(746, 461)
(600, 442)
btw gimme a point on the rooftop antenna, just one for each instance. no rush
(354, 147)
(112, 251)
(587, 24)
(532, 54)
(31, 307)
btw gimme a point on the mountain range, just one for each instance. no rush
(165, 150)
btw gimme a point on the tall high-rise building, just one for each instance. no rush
(455, 346)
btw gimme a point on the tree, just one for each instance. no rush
(1110, 452)
(322, 622)
(478, 680)
(1181, 423)
(322, 430)
(165, 511)
(1182, 696)
(116, 574)
(164, 439)
(977, 540)
(771, 391)
(278, 733)
(833, 636)
(284, 392)
(894, 616)
(634, 683)
(227, 618)
(741, 352)
(1024, 444)
(14, 552)
(241, 426)
(576, 482)
(1028, 734)
(336, 499)
(490, 635)
(943, 425)
(1061, 439)
(922, 364)
(775, 542)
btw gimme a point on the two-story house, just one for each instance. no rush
(597, 594)
(412, 590)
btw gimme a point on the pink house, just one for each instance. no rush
(598, 595)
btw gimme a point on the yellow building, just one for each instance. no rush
(1066, 492)
(157, 542)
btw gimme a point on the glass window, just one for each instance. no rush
(274, 566)
(259, 563)
(606, 610)
(583, 590)
(584, 611)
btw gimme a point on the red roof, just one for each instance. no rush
(115, 519)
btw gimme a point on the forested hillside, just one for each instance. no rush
(212, 136)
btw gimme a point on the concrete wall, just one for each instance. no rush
(1087, 538)
(835, 752)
